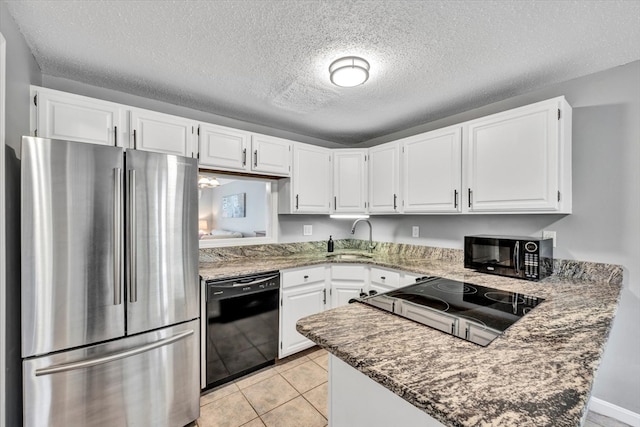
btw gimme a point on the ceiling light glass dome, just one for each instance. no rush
(349, 71)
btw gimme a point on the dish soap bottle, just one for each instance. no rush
(330, 245)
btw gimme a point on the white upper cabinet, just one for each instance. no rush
(384, 178)
(350, 181)
(520, 160)
(271, 155)
(61, 115)
(223, 148)
(309, 189)
(432, 174)
(162, 133)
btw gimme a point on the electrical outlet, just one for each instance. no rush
(546, 234)
(307, 230)
(415, 231)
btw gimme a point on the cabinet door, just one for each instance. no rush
(432, 171)
(380, 288)
(342, 292)
(311, 179)
(512, 160)
(223, 148)
(386, 278)
(271, 155)
(298, 302)
(349, 181)
(384, 178)
(78, 118)
(347, 281)
(162, 133)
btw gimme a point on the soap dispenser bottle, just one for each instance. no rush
(330, 245)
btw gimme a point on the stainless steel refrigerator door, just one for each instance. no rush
(72, 274)
(162, 259)
(151, 379)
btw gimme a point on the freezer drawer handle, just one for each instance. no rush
(117, 234)
(87, 363)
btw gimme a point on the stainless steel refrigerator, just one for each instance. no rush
(110, 290)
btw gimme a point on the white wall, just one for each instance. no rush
(604, 226)
(21, 71)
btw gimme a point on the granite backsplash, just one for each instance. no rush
(570, 269)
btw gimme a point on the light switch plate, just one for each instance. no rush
(415, 231)
(546, 234)
(307, 230)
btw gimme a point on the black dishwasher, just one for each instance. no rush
(242, 325)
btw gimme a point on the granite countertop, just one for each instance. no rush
(538, 373)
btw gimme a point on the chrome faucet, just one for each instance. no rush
(353, 230)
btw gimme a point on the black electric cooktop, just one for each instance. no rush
(476, 313)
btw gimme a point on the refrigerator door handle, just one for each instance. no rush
(87, 363)
(117, 236)
(133, 286)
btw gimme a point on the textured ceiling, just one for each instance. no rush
(266, 62)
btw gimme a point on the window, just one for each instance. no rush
(236, 210)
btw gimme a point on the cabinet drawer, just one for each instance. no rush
(385, 277)
(348, 272)
(302, 276)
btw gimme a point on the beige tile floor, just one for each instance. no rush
(293, 393)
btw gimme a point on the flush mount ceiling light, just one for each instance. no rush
(349, 71)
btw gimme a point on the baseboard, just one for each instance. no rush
(610, 410)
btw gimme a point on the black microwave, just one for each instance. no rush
(513, 256)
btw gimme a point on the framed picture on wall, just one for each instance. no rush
(233, 206)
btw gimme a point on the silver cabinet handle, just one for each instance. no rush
(297, 201)
(470, 194)
(244, 157)
(88, 363)
(115, 135)
(117, 235)
(134, 139)
(324, 296)
(455, 199)
(335, 203)
(255, 158)
(133, 286)
(395, 202)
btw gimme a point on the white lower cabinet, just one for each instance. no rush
(302, 294)
(384, 279)
(355, 400)
(347, 281)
